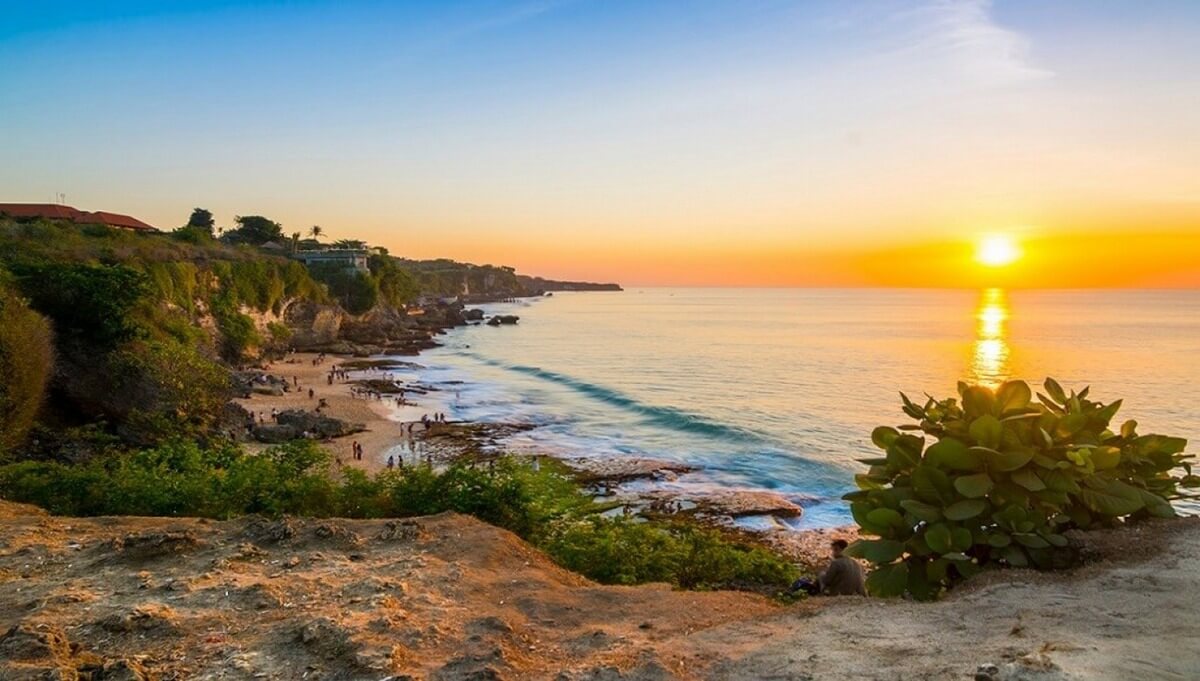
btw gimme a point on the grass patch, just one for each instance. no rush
(539, 504)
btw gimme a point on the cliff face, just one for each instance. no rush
(537, 285)
(450, 598)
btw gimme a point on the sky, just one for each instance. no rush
(743, 143)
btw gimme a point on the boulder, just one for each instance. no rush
(499, 319)
(318, 425)
(25, 642)
(275, 433)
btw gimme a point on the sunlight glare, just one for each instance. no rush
(997, 250)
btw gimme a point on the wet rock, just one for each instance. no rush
(592, 471)
(474, 315)
(506, 319)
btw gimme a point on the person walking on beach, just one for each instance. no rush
(391, 462)
(310, 393)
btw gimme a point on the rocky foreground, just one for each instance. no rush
(448, 597)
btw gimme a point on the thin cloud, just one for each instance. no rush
(965, 34)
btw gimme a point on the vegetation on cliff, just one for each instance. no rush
(26, 356)
(182, 478)
(1004, 478)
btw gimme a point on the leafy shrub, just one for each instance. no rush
(92, 304)
(539, 504)
(1003, 479)
(26, 358)
(624, 551)
(163, 389)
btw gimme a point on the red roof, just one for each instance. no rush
(114, 220)
(54, 211)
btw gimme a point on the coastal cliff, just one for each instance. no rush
(451, 598)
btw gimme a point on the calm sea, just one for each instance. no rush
(779, 388)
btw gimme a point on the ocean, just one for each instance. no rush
(779, 389)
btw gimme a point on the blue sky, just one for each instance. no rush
(586, 130)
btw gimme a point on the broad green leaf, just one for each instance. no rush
(1104, 458)
(1056, 539)
(1108, 412)
(1115, 499)
(1008, 460)
(1055, 391)
(939, 538)
(885, 517)
(1156, 505)
(977, 401)
(1028, 479)
(961, 539)
(1070, 424)
(904, 452)
(1060, 481)
(888, 581)
(877, 551)
(1014, 556)
(932, 485)
(974, 486)
(1013, 395)
(998, 540)
(922, 510)
(951, 453)
(1031, 540)
(883, 436)
(986, 431)
(967, 508)
(1129, 429)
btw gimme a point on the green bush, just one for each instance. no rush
(90, 304)
(26, 359)
(538, 504)
(1003, 479)
(625, 551)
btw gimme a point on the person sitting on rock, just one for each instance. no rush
(844, 576)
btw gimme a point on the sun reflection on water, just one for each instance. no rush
(990, 361)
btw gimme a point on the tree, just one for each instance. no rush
(352, 244)
(26, 357)
(256, 230)
(91, 304)
(315, 231)
(202, 219)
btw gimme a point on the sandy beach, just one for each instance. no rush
(386, 423)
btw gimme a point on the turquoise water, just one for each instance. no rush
(779, 389)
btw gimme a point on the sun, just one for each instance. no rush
(997, 250)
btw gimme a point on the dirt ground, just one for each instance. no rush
(448, 597)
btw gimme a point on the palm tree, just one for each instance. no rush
(315, 231)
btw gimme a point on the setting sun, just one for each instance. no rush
(997, 250)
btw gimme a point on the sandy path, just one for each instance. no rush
(1132, 616)
(383, 432)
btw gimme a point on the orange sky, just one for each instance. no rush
(818, 143)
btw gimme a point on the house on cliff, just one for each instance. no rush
(348, 258)
(61, 213)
